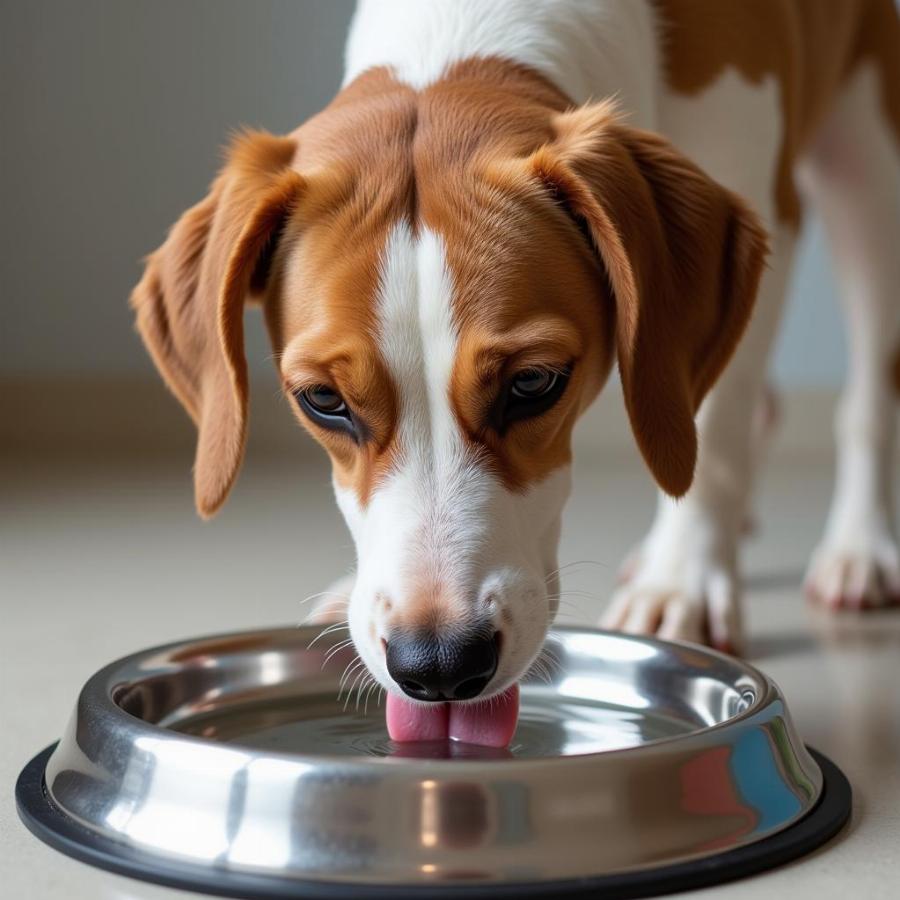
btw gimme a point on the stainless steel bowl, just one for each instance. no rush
(239, 755)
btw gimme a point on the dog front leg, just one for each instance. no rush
(852, 175)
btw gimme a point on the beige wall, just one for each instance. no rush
(113, 113)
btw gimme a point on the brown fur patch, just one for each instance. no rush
(809, 46)
(190, 302)
(432, 612)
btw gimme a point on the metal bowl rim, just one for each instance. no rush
(828, 815)
(98, 689)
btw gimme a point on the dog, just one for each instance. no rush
(505, 200)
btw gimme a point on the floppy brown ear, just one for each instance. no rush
(683, 257)
(190, 302)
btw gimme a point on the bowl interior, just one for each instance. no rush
(587, 693)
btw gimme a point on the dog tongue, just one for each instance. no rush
(490, 724)
(416, 721)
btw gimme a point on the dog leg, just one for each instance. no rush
(852, 177)
(766, 418)
(684, 581)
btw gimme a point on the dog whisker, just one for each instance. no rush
(348, 671)
(335, 649)
(538, 670)
(336, 594)
(571, 608)
(547, 655)
(571, 565)
(545, 664)
(352, 667)
(336, 626)
(361, 674)
(366, 687)
(372, 687)
(315, 617)
(350, 692)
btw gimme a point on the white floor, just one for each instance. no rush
(99, 559)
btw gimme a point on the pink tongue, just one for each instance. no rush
(490, 724)
(416, 721)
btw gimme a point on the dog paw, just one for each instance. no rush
(331, 604)
(697, 600)
(855, 574)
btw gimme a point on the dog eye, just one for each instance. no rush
(326, 407)
(324, 400)
(530, 393)
(532, 383)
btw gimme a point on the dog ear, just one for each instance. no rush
(190, 302)
(683, 257)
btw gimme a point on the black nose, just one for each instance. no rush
(428, 667)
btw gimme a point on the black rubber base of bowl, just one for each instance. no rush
(62, 833)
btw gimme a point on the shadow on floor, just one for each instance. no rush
(771, 646)
(776, 580)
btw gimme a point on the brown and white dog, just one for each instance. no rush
(452, 256)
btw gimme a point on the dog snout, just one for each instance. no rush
(442, 667)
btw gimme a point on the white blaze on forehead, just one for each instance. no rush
(438, 335)
(417, 337)
(427, 517)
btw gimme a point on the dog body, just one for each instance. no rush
(452, 256)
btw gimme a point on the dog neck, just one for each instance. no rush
(588, 49)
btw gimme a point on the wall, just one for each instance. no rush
(113, 115)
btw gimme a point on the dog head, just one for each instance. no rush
(446, 292)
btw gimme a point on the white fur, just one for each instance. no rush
(733, 131)
(853, 176)
(440, 517)
(588, 48)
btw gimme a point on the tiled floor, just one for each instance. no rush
(99, 558)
